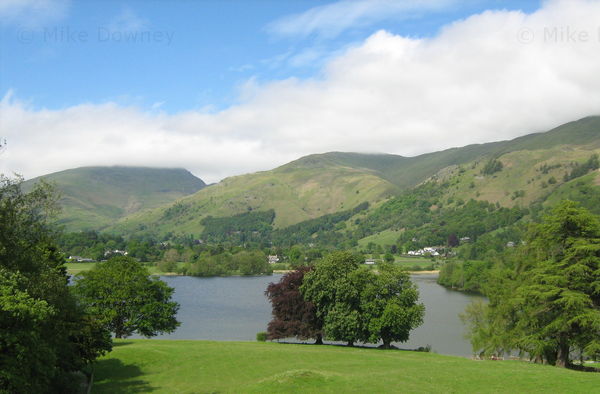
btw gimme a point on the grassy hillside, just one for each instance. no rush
(527, 176)
(294, 193)
(409, 171)
(93, 197)
(235, 367)
(534, 167)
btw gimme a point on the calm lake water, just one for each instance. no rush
(235, 309)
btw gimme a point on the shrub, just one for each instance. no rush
(261, 336)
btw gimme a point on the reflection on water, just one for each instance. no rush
(235, 309)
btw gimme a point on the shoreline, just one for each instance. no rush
(410, 272)
(75, 272)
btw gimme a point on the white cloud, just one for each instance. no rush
(30, 13)
(479, 80)
(330, 20)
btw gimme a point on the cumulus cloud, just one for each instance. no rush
(493, 76)
(330, 20)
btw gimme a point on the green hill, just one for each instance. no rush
(94, 197)
(170, 366)
(160, 202)
(409, 171)
(322, 184)
(295, 192)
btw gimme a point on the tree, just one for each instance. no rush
(492, 166)
(389, 257)
(548, 305)
(172, 256)
(389, 305)
(329, 286)
(293, 316)
(122, 296)
(358, 304)
(252, 263)
(452, 241)
(45, 338)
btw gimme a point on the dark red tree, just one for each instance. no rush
(453, 240)
(292, 315)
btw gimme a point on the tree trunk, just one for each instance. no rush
(386, 343)
(319, 340)
(562, 358)
(350, 343)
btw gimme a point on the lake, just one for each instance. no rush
(235, 309)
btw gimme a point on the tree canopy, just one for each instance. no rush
(358, 304)
(548, 304)
(124, 298)
(44, 336)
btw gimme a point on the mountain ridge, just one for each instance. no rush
(326, 183)
(96, 196)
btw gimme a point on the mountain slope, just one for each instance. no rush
(409, 171)
(294, 193)
(327, 183)
(94, 197)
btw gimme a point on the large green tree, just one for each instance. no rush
(331, 287)
(548, 304)
(359, 304)
(123, 297)
(389, 305)
(45, 338)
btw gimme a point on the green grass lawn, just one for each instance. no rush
(163, 366)
(75, 268)
(410, 263)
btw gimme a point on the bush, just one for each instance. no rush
(167, 266)
(261, 336)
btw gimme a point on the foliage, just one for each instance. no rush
(492, 166)
(331, 288)
(547, 304)
(389, 305)
(581, 169)
(238, 228)
(121, 295)
(261, 336)
(293, 316)
(357, 304)
(243, 262)
(320, 230)
(44, 337)
(470, 275)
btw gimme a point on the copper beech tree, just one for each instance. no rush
(292, 315)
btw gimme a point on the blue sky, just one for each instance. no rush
(182, 55)
(230, 87)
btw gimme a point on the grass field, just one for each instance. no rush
(164, 366)
(75, 268)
